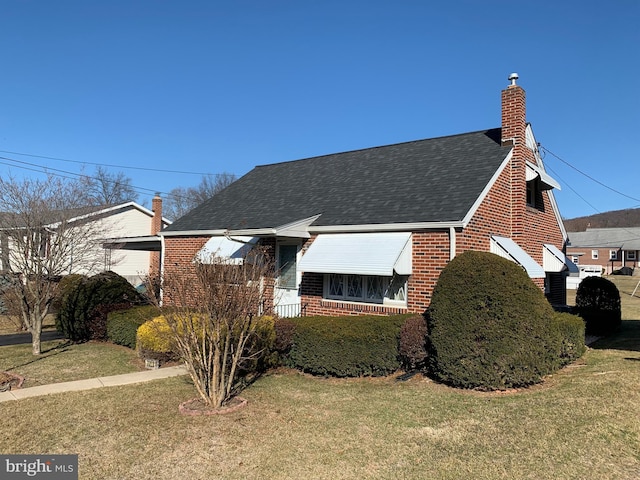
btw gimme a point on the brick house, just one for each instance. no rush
(610, 248)
(369, 231)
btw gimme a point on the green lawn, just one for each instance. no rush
(583, 422)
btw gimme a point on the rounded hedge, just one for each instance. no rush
(85, 303)
(598, 303)
(490, 327)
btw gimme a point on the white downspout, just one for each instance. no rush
(452, 243)
(160, 294)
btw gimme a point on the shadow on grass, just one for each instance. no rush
(626, 338)
(44, 354)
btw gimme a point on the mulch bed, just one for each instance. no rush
(196, 406)
(10, 381)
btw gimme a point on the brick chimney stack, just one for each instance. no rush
(514, 114)
(156, 208)
(156, 226)
(514, 127)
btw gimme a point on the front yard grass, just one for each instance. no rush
(62, 361)
(584, 422)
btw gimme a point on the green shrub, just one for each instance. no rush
(70, 303)
(83, 304)
(122, 325)
(285, 328)
(598, 303)
(260, 353)
(413, 342)
(570, 330)
(489, 325)
(346, 346)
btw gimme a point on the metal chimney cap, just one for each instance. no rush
(513, 77)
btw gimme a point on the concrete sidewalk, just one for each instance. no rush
(112, 381)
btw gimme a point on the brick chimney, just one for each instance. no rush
(156, 208)
(156, 226)
(514, 125)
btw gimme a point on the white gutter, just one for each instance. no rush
(386, 227)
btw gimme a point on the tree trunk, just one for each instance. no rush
(35, 327)
(35, 340)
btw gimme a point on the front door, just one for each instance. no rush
(286, 295)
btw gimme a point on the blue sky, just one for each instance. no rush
(212, 86)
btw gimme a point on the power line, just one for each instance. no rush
(34, 167)
(109, 165)
(571, 188)
(589, 176)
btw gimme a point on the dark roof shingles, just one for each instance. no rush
(434, 180)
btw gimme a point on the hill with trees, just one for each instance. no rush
(629, 217)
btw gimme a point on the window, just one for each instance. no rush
(613, 254)
(287, 266)
(531, 193)
(631, 254)
(366, 288)
(575, 259)
(594, 254)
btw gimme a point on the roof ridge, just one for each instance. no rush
(377, 147)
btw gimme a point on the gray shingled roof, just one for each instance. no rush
(614, 238)
(434, 180)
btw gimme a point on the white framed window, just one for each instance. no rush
(366, 288)
(631, 255)
(575, 259)
(594, 254)
(613, 254)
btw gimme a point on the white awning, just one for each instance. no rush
(507, 248)
(379, 254)
(234, 249)
(547, 181)
(553, 260)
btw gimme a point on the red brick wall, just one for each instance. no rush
(180, 252)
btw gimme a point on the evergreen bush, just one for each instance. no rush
(84, 304)
(122, 325)
(413, 342)
(598, 303)
(346, 346)
(490, 326)
(570, 330)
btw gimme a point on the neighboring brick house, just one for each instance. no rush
(610, 248)
(369, 231)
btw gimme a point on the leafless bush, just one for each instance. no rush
(215, 320)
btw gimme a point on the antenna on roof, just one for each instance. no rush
(513, 77)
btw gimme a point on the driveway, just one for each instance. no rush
(22, 338)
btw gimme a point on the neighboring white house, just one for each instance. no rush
(124, 220)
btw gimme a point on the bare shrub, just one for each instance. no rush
(216, 320)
